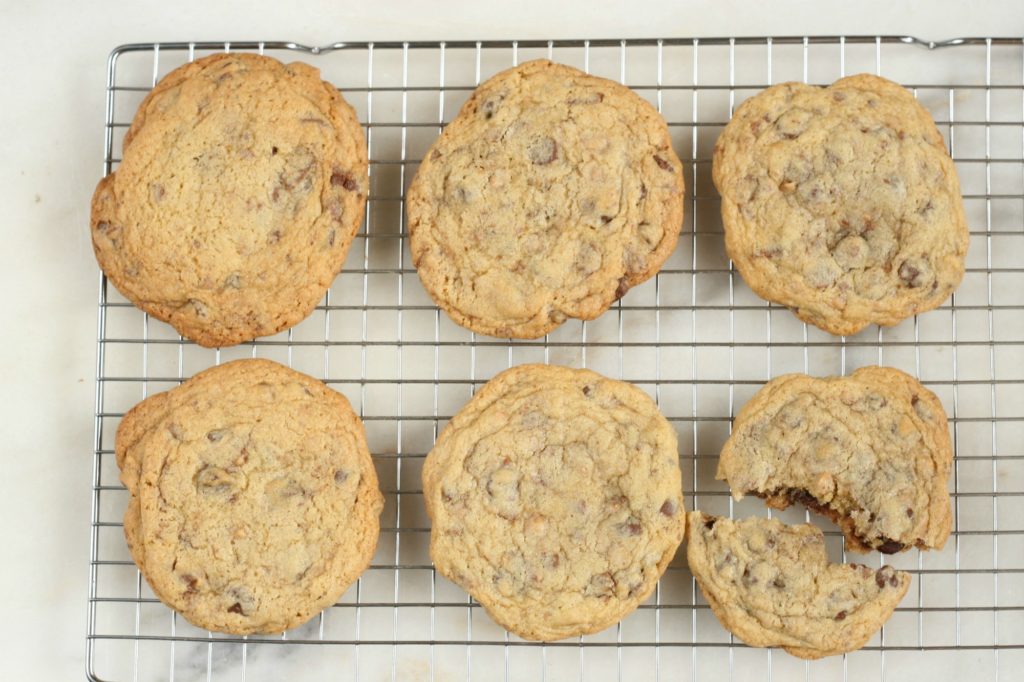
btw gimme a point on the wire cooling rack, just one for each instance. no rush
(694, 337)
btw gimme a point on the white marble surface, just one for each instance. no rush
(52, 111)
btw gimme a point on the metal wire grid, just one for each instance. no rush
(694, 336)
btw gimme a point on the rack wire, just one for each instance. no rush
(694, 337)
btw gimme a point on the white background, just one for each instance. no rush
(51, 114)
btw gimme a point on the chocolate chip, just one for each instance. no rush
(605, 219)
(921, 408)
(910, 513)
(886, 575)
(589, 98)
(710, 521)
(103, 226)
(236, 608)
(662, 163)
(668, 508)
(543, 151)
(191, 583)
(631, 527)
(213, 480)
(216, 435)
(618, 502)
(588, 389)
(274, 237)
(902, 135)
(340, 476)
(770, 253)
(909, 274)
(273, 151)
(779, 583)
(623, 287)
(841, 615)
(284, 488)
(805, 498)
(891, 546)
(340, 179)
(601, 585)
(490, 107)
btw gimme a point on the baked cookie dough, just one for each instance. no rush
(871, 451)
(254, 501)
(772, 585)
(556, 500)
(549, 196)
(242, 183)
(841, 202)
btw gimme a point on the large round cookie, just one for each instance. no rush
(556, 501)
(242, 183)
(254, 499)
(549, 196)
(841, 202)
(772, 585)
(871, 451)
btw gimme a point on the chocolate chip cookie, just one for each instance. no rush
(841, 202)
(549, 196)
(871, 451)
(254, 501)
(242, 184)
(772, 585)
(556, 500)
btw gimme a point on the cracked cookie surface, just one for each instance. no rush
(555, 499)
(871, 451)
(242, 184)
(771, 584)
(254, 501)
(841, 203)
(548, 196)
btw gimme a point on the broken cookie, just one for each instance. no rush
(772, 585)
(871, 451)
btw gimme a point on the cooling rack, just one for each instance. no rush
(694, 337)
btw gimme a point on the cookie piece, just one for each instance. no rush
(841, 202)
(556, 500)
(772, 585)
(549, 196)
(871, 451)
(254, 501)
(242, 184)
